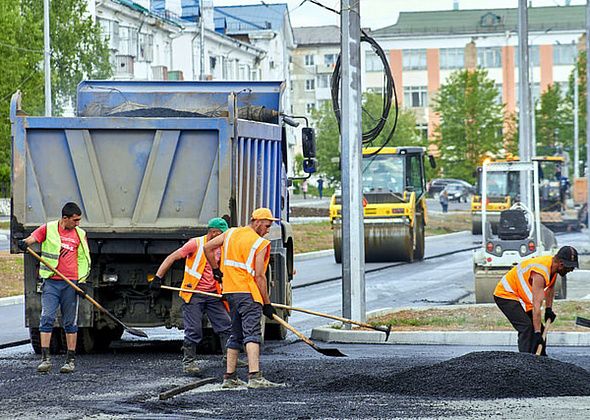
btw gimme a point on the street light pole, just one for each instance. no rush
(576, 123)
(353, 243)
(524, 137)
(201, 42)
(588, 101)
(47, 58)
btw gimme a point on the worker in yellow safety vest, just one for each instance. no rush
(198, 276)
(244, 259)
(64, 247)
(521, 292)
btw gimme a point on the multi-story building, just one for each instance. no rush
(312, 64)
(424, 48)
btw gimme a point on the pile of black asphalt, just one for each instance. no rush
(485, 375)
(158, 112)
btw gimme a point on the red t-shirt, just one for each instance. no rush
(207, 282)
(67, 264)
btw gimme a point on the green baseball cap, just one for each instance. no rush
(218, 223)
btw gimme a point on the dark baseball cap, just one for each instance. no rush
(569, 256)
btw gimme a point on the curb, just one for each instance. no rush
(315, 254)
(12, 300)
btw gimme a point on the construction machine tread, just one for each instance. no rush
(485, 283)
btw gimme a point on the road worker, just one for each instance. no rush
(244, 260)
(521, 292)
(64, 247)
(198, 276)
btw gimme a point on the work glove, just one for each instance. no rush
(537, 341)
(22, 245)
(268, 310)
(218, 275)
(549, 314)
(156, 283)
(84, 286)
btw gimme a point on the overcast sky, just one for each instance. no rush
(379, 13)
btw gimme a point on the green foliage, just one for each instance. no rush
(551, 120)
(328, 136)
(471, 120)
(568, 136)
(77, 52)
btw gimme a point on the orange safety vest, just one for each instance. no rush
(517, 284)
(238, 255)
(193, 270)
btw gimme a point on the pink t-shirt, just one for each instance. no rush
(67, 264)
(207, 282)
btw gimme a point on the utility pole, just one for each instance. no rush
(525, 146)
(201, 41)
(353, 235)
(47, 58)
(576, 123)
(588, 100)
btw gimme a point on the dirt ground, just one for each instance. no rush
(478, 317)
(11, 274)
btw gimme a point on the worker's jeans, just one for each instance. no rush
(522, 321)
(245, 320)
(192, 316)
(54, 294)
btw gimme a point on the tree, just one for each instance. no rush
(328, 135)
(471, 122)
(569, 117)
(78, 51)
(550, 122)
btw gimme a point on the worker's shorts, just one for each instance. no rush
(192, 316)
(57, 294)
(245, 316)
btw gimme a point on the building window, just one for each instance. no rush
(415, 96)
(489, 57)
(127, 41)
(330, 59)
(534, 92)
(110, 31)
(534, 56)
(499, 99)
(310, 84)
(146, 48)
(452, 58)
(373, 62)
(414, 59)
(564, 54)
(309, 107)
(323, 81)
(422, 131)
(563, 88)
(309, 60)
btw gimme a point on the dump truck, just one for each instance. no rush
(394, 199)
(519, 234)
(150, 163)
(501, 195)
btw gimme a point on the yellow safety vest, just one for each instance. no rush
(193, 270)
(238, 255)
(51, 247)
(517, 284)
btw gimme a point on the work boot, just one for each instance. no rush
(231, 380)
(45, 365)
(190, 365)
(69, 365)
(256, 380)
(224, 338)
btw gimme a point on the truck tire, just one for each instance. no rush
(276, 331)
(420, 241)
(57, 345)
(92, 340)
(475, 228)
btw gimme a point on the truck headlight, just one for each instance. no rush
(110, 278)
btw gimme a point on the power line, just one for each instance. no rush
(20, 48)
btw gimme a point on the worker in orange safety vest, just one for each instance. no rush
(521, 292)
(244, 259)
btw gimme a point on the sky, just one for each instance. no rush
(380, 13)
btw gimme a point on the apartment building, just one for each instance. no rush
(424, 48)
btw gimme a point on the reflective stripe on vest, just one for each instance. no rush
(51, 247)
(194, 269)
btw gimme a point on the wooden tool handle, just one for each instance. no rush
(540, 347)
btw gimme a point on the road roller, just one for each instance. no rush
(519, 234)
(500, 196)
(394, 203)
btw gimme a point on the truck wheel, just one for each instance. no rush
(475, 228)
(92, 340)
(57, 344)
(419, 250)
(275, 332)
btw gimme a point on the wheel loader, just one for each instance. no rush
(394, 200)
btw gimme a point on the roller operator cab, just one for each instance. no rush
(502, 193)
(394, 201)
(150, 163)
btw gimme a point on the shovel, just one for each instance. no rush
(540, 347)
(183, 388)
(326, 352)
(385, 330)
(583, 322)
(132, 331)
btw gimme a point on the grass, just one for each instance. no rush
(477, 318)
(311, 237)
(5, 224)
(11, 274)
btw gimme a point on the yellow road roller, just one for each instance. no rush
(394, 202)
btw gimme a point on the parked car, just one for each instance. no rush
(458, 192)
(435, 186)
